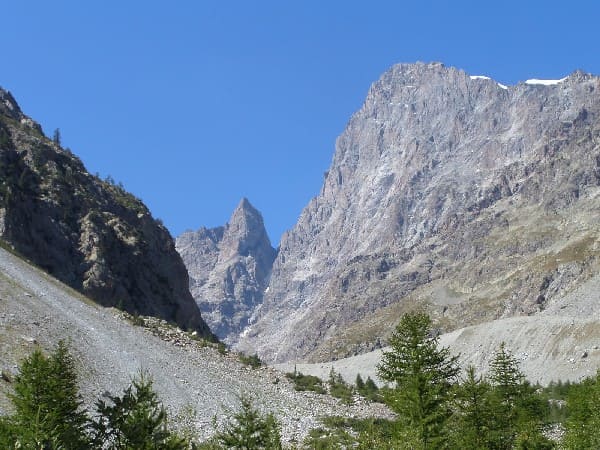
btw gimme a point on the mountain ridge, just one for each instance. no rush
(445, 192)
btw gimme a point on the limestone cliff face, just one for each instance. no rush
(89, 233)
(229, 269)
(449, 192)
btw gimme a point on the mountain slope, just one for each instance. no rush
(194, 381)
(229, 269)
(89, 233)
(454, 193)
(560, 343)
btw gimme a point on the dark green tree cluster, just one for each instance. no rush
(49, 413)
(583, 422)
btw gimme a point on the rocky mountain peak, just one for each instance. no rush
(245, 232)
(447, 191)
(229, 269)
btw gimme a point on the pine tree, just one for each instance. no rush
(136, 420)
(56, 136)
(474, 422)
(250, 430)
(518, 410)
(47, 404)
(423, 375)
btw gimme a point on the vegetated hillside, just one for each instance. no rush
(194, 381)
(450, 192)
(229, 269)
(89, 233)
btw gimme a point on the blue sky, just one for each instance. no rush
(193, 105)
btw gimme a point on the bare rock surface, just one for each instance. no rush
(561, 343)
(448, 192)
(90, 233)
(229, 269)
(195, 382)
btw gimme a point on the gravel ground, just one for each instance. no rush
(195, 382)
(560, 343)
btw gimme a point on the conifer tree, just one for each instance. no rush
(250, 430)
(474, 424)
(518, 412)
(423, 375)
(47, 403)
(136, 420)
(583, 425)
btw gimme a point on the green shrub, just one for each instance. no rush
(306, 382)
(252, 360)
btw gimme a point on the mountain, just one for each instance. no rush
(87, 232)
(453, 193)
(197, 384)
(229, 269)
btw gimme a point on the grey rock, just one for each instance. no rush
(89, 233)
(446, 192)
(229, 269)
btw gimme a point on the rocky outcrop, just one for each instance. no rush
(89, 233)
(229, 269)
(448, 192)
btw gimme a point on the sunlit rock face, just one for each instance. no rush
(448, 192)
(229, 268)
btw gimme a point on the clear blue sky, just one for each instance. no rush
(195, 104)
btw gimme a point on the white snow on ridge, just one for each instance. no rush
(534, 81)
(483, 77)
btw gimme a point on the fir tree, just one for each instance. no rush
(423, 375)
(518, 411)
(250, 430)
(136, 420)
(47, 403)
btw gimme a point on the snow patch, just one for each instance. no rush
(535, 81)
(483, 77)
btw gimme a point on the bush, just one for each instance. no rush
(306, 382)
(252, 360)
(339, 388)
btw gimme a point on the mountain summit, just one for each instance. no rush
(229, 268)
(448, 192)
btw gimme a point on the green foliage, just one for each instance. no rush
(250, 430)
(518, 412)
(222, 348)
(306, 382)
(339, 388)
(423, 375)
(136, 420)
(252, 360)
(47, 404)
(583, 424)
(368, 389)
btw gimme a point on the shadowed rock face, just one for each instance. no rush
(447, 192)
(88, 233)
(229, 269)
